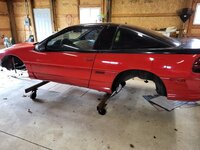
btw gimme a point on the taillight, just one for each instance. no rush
(196, 66)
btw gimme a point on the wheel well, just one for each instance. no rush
(11, 62)
(126, 75)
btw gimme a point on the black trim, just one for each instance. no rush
(138, 51)
(169, 50)
(154, 51)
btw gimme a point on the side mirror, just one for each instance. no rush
(40, 47)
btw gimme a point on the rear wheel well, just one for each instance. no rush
(126, 75)
(11, 62)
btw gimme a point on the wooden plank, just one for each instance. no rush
(90, 2)
(3, 14)
(78, 10)
(90, 5)
(4, 29)
(3, 7)
(145, 15)
(12, 20)
(64, 15)
(41, 4)
(4, 22)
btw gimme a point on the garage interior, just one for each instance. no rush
(64, 117)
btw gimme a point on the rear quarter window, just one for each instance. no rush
(130, 39)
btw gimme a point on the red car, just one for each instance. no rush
(104, 56)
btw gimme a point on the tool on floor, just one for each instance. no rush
(101, 107)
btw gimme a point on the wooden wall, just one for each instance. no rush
(20, 14)
(4, 21)
(148, 13)
(66, 13)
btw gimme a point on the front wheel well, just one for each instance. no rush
(11, 62)
(146, 75)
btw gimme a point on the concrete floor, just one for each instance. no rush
(65, 118)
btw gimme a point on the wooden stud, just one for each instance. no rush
(78, 9)
(108, 10)
(53, 15)
(30, 2)
(12, 20)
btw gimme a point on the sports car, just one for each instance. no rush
(105, 56)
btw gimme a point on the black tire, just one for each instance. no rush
(160, 88)
(12, 62)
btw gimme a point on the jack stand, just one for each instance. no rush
(33, 89)
(102, 105)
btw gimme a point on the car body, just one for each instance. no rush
(104, 56)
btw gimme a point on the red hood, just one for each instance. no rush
(23, 45)
(15, 48)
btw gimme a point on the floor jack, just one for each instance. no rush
(101, 107)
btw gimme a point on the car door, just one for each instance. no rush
(68, 57)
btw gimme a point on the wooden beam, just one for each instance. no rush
(108, 10)
(12, 20)
(146, 15)
(53, 13)
(78, 9)
(30, 2)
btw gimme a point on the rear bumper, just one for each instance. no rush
(183, 89)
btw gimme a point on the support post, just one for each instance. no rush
(12, 20)
(30, 2)
(53, 15)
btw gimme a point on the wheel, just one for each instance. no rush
(33, 95)
(101, 111)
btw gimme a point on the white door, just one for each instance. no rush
(43, 23)
(90, 15)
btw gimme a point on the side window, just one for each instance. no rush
(128, 39)
(107, 35)
(76, 39)
(91, 35)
